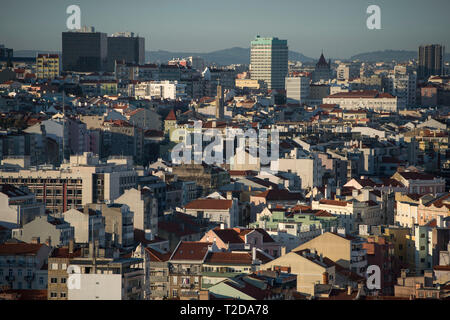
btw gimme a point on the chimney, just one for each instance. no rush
(222, 226)
(148, 235)
(229, 195)
(71, 246)
(341, 231)
(325, 278)
(349, 290)
(253, 254)
(338, 192)
(35, 240)
(283, 251)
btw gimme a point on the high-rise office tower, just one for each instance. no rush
(125, 46)
(431, 61)
(269, 61)
(84, 50)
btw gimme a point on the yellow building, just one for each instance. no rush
(248, 83)
(47, 66)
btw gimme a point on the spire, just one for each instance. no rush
(171, 116)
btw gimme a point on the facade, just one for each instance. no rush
(297, 89)
(88, 225)
(221, 211)
(84, 51)
(230, 239)
(47, 66)
(18, 207)
(352, 213)
(56, 232)
(119, 229)
(22, 265)
(125, 47)
(346, 251)
(81, 181)
(269, 61)
(369, 99)
(403, 84)
(144, 207)
(185, 275)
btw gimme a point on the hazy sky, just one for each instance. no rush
(337, 26)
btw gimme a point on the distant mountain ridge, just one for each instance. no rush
(389, 55)
(235, 55)
(238, 55)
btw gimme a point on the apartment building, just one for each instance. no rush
(144, 206)
(81, 181)
(47, 66)
(221, 211)
(346, 251)
(88, 225)
(100, 274)
(186, 269)
(23, 265)
(368, 99)
(420, 183)
(352, 213)
(55, 231)
(119, 225)
(230, 239)
(18, 206)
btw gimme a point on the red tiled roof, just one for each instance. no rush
(416, 176)
(188, 250)
(158, 256)
(334, 202)
(64, 253)
(211, 204)
(19, 248)
(171, 116)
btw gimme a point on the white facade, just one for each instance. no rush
(355, 100)
(297, 89)
(169, 90)
(97, 287)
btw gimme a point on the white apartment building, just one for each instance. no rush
(351, 213)
(21, 265)
(81, 181)
(144, 206)
(168, 90)
(305, 165)
(297, 89)
(88, 225)
(369, 99)
(18, 207)
(402, 83)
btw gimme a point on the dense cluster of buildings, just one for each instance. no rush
(96, 204)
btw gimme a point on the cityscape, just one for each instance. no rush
(254, 173)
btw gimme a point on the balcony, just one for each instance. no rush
(10, 278)
(159, 279)
(189, 293)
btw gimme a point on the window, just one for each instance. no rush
(63, 280)
(53, 294)
(54, 266)
(54, 280)
(63, 295)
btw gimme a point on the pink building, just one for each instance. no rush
(243, 239)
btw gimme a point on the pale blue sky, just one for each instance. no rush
(337, 26)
